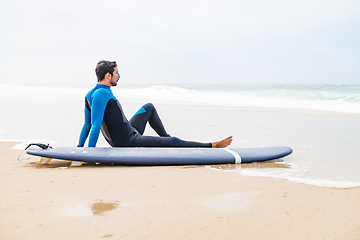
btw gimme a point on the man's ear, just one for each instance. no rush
(108, 76)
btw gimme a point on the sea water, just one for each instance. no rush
(54, 114)
(336, 98)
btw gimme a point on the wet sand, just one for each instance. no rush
(189, 202)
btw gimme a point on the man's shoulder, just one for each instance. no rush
(98, 92)
(102, 91)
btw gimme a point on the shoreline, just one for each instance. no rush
(111, 202)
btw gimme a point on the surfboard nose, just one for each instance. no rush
(287, 150)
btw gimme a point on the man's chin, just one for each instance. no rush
(113, 84)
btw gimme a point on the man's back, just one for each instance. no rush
(103, 111)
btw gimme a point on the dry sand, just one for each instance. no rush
(192, 202)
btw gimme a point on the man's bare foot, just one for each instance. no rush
(223, 143)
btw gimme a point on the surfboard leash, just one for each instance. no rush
(40, 145)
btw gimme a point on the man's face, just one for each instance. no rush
(115, 77)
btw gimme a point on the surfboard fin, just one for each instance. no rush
(76, 164)
(44, 160)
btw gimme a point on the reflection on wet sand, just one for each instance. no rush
(100, 207)
(277, 163)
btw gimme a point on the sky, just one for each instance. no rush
(181, 42)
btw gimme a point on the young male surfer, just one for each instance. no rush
(104, 113)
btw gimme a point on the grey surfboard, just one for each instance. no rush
(163, 156)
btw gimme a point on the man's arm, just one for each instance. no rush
(99, 102)
(86, 128)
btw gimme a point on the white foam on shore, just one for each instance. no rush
(283, 97)
(309, 181)
(31, 92)
(344, 99)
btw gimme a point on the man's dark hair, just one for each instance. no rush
(103, 67)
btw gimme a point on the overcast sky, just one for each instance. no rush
(181, 42)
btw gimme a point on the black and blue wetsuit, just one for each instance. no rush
(104, 112)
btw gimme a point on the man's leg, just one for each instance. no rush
(148, 113)
(138, 140)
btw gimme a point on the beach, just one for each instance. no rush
(274, 76)
(179, 202)
(298, 197)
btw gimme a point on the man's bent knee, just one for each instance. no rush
(149, 107)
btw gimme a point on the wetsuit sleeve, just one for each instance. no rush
(86, 128)
(99, 102)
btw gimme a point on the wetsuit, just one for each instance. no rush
(104, 113)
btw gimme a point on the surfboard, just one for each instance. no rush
(162, 156)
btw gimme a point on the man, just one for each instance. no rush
(104, 113)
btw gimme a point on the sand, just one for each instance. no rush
(189, 202)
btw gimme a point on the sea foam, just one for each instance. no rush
(318, 182)
(309, 181)
(344, 99)
(333, 98)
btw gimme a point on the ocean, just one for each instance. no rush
(335, 98)
(54, 114)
